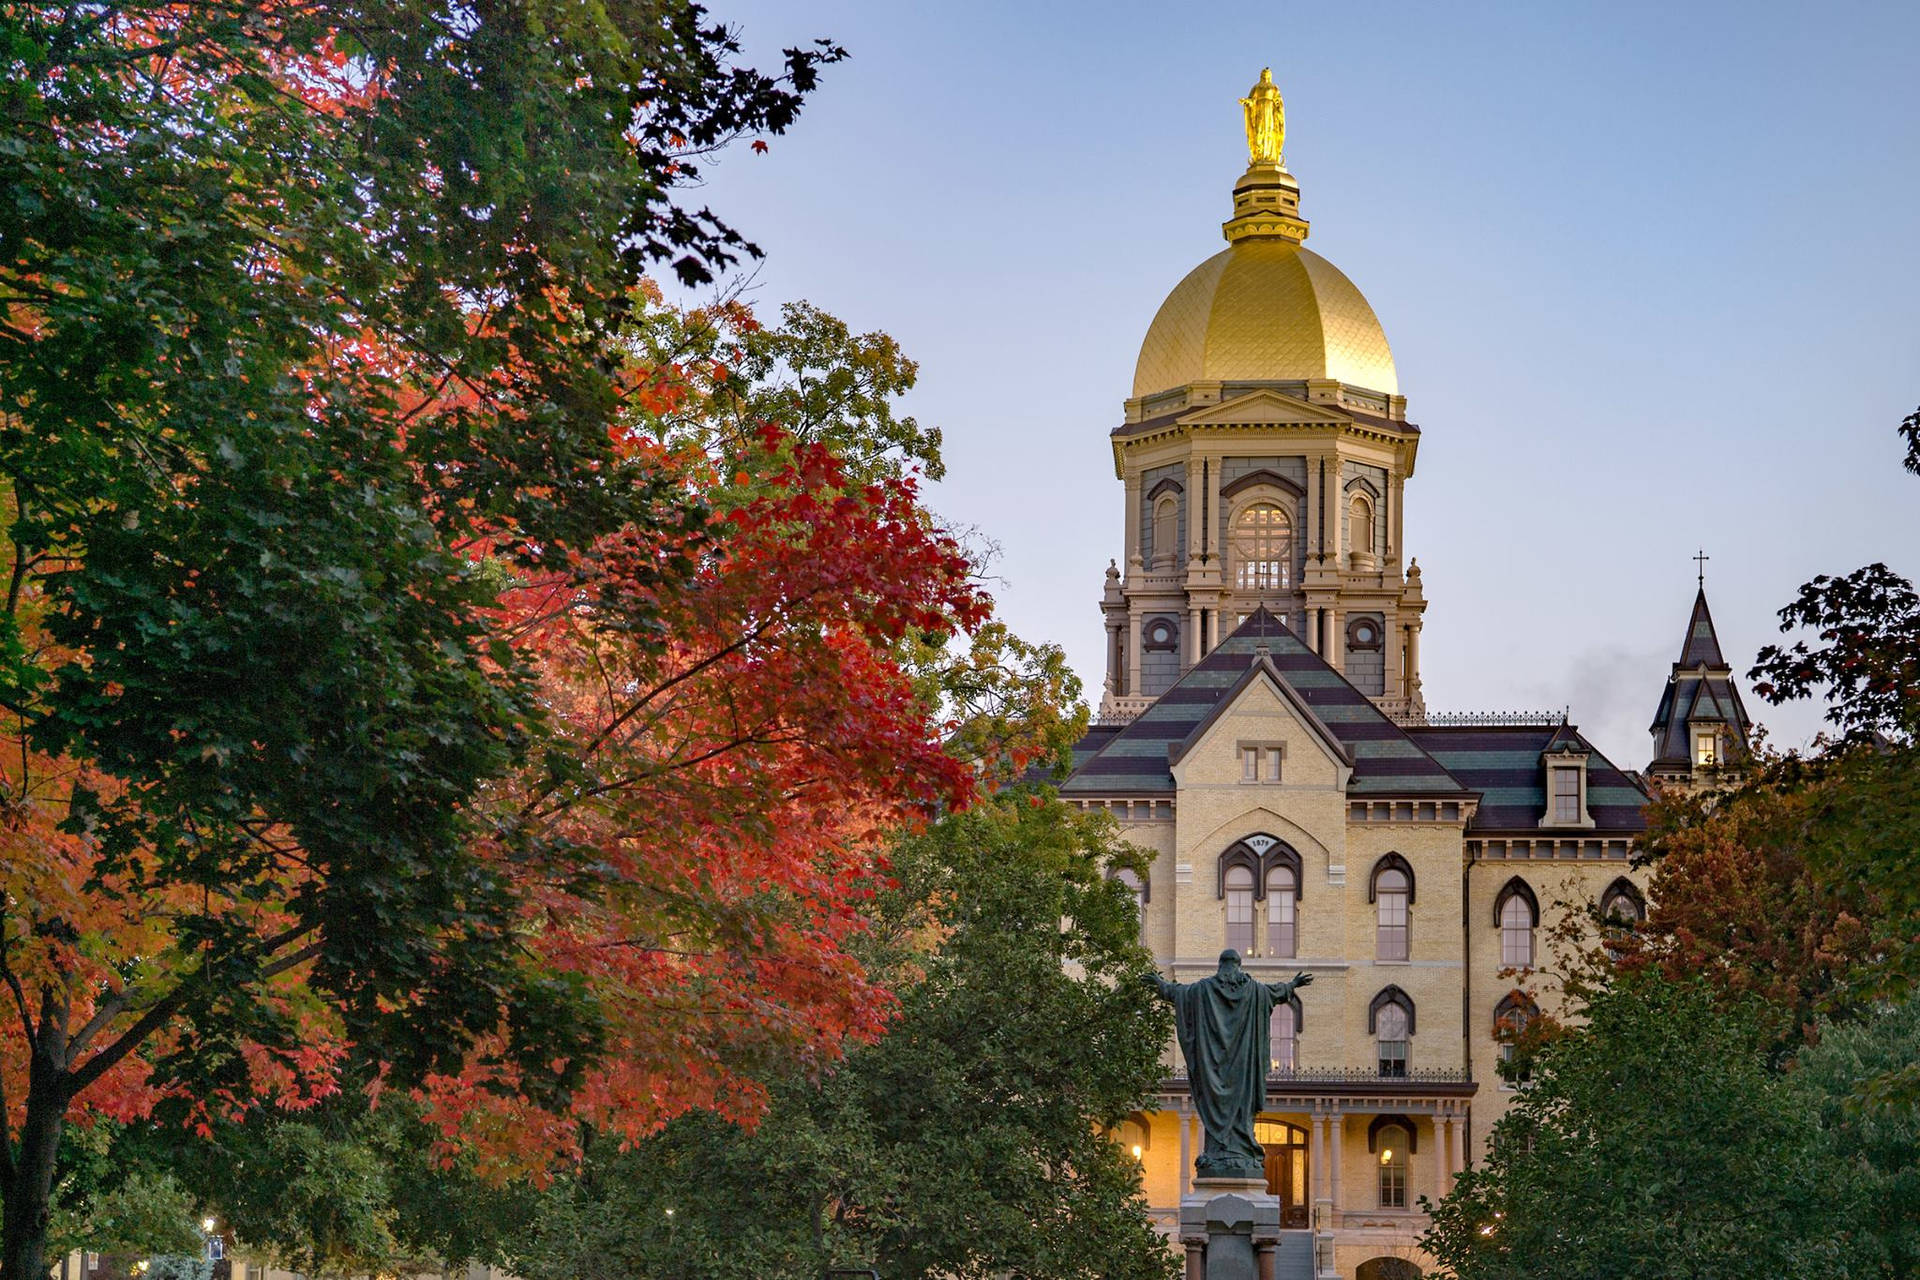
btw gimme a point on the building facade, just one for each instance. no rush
(1264, 736)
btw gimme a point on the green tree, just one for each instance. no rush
(295, 303)
(968, 1141)
(1845, 1079)
(1653, 1142)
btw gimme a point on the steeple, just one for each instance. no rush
(1700, 726)
(1701, 648)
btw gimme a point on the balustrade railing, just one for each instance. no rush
(1412, 1076)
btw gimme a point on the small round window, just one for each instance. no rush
(1364, 633)
(1160, 634)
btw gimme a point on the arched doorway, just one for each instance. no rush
(1286, 1148)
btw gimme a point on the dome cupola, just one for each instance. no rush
(1265, 309)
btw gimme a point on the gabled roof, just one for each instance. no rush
(1701, 647)
(1503, 763)
(1386, 761)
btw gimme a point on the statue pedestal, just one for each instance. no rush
(1230, 1227)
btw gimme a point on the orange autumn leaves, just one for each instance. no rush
(736, 748)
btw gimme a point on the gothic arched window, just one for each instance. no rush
(1622, 904)
(1511, 1017)
(1392, 892)
(1282, 890)
(1390, 1022)
(1262, 547)
(1240, 909)
(1516, 913)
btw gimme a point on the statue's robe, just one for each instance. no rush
(1223, 1024)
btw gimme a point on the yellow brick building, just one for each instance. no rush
(1264, 735)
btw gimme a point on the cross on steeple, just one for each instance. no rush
(1700, 562)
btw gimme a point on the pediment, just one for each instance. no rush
(1263, 706)
(1263, 408)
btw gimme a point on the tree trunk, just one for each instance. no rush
(23, 1225)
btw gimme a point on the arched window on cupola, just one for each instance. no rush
(1166, 524)
(1262, 549)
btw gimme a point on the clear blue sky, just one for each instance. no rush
(1650, 273)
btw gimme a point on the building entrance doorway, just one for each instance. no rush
(1286, 1148)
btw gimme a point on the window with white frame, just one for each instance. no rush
(1706, 748)
(1260, 761)
(1283, 1037)
(1240, 909)
(1516, 933)
(1282, 899)
(1391, 892)
(1566, 794)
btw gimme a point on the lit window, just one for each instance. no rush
(1240, 910)
(1393, 1166)
(1566, 795)
(1262, 549)
(1706, 751)
(1282, 1037)
(1390, 1037)
(1390, 889)
(1516, 934)
(1281, 899)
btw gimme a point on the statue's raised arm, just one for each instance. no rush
(1169, 991)
(1282, 991)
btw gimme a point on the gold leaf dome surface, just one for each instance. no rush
(1265, 310)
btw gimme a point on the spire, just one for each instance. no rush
(1266, 200)
(1701, 648)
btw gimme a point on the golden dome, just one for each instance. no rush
(1265, 310)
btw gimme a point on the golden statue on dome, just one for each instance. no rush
(1266, 120)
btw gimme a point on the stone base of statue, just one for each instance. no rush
(1230, 1227)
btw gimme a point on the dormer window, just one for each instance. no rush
(1706, 749)
(1565, 763)
(1566, 794)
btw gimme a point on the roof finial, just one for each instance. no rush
(1700, 562)
(1266, 121)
